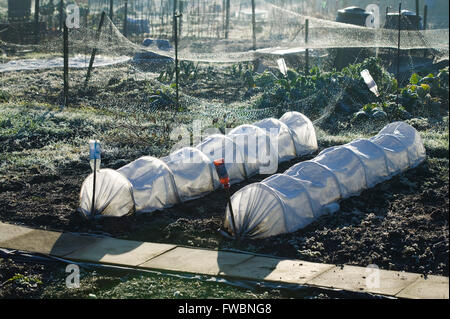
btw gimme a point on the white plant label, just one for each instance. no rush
(282, 66)
(370, 82)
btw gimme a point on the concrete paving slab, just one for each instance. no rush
(362, 279)
(201, 261)
(8, 231)
(119, 252)
(42, 241)
(277, 270)
(431, 287)
(228, 264)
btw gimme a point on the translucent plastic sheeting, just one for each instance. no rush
(286, 202)
(113, 194)
(148, 184)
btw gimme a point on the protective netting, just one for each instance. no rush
(278, 24)
(150, 184)
(277, 28)
(286, 202)
(206, 56)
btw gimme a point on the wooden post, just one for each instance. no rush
(66, 64)
(61, 15)
(111, 9)
(36, 19)
(181, 5)
(253, 24)
(227, 19)
(398, 49)
(94, 50)
(125, 19)
(417, 15)
(425, 13)
(93, 188)
(386, 17)
(174, 29)
(307, 50)
(177, 71)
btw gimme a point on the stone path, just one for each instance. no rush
(233, 265)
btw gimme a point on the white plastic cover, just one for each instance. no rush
(302, 131)
(260, 151)
(219, 146)
(148, 184)
(153, 183)
(113, 194)
(286, 148)
(287, 202)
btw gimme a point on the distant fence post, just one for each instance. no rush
(425, 13)
(177, 71)
(111, 9)
(94, 50)
(253, 24)
(398, 49)
(66, 63)
(174, 26)
(125, 19)
(36, 19)
(306, 43)
(180, 23)
(417, 15)
(227, 19)
(61, 15)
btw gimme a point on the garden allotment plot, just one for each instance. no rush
(225, 81)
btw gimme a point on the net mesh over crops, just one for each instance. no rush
(221, 68)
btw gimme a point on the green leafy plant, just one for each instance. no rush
(4, 96)
(25, 280)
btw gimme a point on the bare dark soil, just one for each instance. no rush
(401, 224)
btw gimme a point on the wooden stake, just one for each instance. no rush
(125, 19)
(227, 19)
(36, 19)
(61, 15)
(66, 64)
(398, 49)
(307, 50)
(180, 23)
(425, 13)
(417, 15)
(93, 188)
(94, 50)
(174, 29)
(111, 9)
(177, 71)
(253, 24)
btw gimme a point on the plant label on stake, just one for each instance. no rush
(94, 159)
(225, 181)
(370, 82)
(94, 154)
(282, 66)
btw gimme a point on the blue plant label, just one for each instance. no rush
(94, 149)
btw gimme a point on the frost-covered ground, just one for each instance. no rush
(77, 62)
